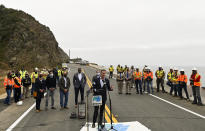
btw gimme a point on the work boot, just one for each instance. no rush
(200, 104)
(93, 125)
(53, 108)
(37, 111)
(194, 102)
(66, 107)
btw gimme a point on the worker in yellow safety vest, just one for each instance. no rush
(34, 76)
(111, 70)
(22, 73)
(160, 75)
(170, 76)
(118, 68)
(175, 82)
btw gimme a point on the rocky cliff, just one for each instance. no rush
(26, 42)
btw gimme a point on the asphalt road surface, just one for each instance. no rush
(153, 113)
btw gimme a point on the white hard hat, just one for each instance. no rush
(182, 70)
(20, 103)
(175, 69)
(160, 66)
(194, 69)
(36, 69)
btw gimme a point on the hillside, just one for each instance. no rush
(26, 42)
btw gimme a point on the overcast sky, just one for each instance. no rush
(153, 32)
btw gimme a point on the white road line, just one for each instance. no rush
(20, 118)
(23, 115)
(187, 110)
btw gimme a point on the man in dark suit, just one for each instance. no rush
(79, 82)
(100, 87)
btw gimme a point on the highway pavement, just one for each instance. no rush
(154, 113)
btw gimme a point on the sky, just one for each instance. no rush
(126, 32)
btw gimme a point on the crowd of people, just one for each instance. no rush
(43, 84)
(177, 80)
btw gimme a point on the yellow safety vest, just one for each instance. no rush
(160, 73)
(111, 69)
(59, 73)
(23, 74)
(170, 76)
(34, 76)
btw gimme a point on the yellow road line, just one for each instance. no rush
(108, 111)
(107, 118)
(106, 107)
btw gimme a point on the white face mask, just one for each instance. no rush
(51, 75)
(98, 74)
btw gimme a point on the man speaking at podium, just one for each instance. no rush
(100, 87)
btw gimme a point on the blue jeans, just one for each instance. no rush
(13, 92)
(149, 83)
(7, 100)
(63, 94)
(138, 86)
(144, 84)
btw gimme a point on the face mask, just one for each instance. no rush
(98, 74)
(51, 75)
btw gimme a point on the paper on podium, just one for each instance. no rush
(97, 100)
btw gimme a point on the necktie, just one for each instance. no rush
(127, 74)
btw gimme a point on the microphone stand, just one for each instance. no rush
(87, 115)
(111, 127)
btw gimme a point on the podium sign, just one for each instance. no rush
(97, 100)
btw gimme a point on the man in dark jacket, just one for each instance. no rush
(100, 87)
(64, 85)
(51, 86)
(79, 82)
(26, 83)
(40, 87)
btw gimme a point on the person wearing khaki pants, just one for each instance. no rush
(26, 83)
(128, 78)
(120, 79)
